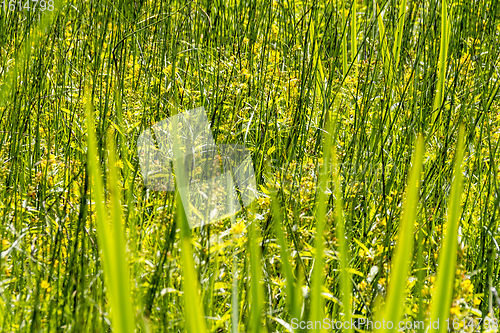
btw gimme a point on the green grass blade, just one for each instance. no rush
(285, 260)
(257, 291)
(448, 254)
(354, 32)
(399, 33)
(443, 54)
(234, 288)
(342, 236)
(344, 39)
(113, 248)
(385, 49)
(2, 311)
(317, 65)
(122, 279)
(234, 298)
(317, 280)
(194, 314)
(404, 250)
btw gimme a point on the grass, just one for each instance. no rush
(340, 104)
(110, 235)
(403, 253)
(447, 260)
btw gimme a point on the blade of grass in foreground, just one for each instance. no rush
(448, 256)
(234, 290)
(121, 269)
(321, 204)
(110, 240)
(285, 261)
(404, 250)
(194, 315)
(342, 236)
(257, 291)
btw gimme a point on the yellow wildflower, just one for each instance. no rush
(45, 285)
(455, 310)
(119, 164)
(238, 228)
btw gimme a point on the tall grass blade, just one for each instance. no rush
(257, 292)
(234, 298)
(110, 238)
(234, 289)
(404, 250)
(448, 256)
(399, 33)
(121, 269)
(354, 32)
(285, 258)
(194, 314)
(342, 236)
(385, 49)
(443, 54)
(344, 38)
(318, 66)
(317, 303)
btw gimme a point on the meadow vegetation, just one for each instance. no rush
(374, 130)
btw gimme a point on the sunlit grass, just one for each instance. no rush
(336, 102)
